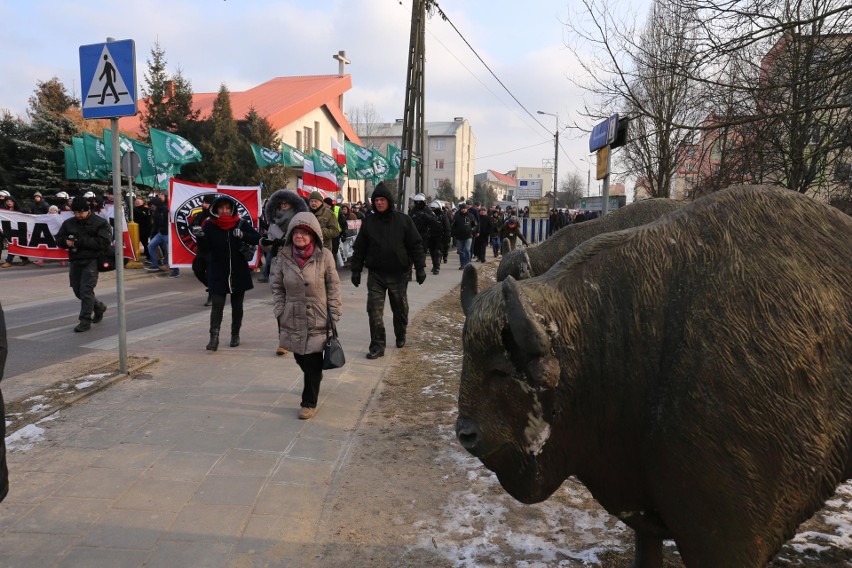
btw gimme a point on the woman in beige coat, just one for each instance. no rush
(305, 285)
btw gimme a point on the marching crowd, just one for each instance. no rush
(302, 241)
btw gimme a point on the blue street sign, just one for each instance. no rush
(603, 133)
(108, 79)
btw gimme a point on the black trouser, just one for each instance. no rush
(480, 246)
(436, 251)
(218, 309)
(84, 277)
(311, 366)
(396, 286)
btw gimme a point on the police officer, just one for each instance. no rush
(86, 236)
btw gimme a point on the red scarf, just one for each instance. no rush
(301, 255)
(225, 222)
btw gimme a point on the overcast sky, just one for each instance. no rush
(243, 43)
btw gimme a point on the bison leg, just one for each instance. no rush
(649, 551)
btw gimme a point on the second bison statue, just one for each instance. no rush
(694, 373)
(527, 262)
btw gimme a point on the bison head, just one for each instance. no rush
(514, 263)
(508, 402)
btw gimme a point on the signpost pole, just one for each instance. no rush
(119, 247)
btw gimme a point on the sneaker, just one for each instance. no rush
(153, 269)
(98, 315)
(174, 274)
(38, 262)
(281, 351)
(6, 265)
(375, 354)
(306, 413)
(25, 261)
(83, 326)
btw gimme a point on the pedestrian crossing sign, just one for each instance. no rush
(108, 79)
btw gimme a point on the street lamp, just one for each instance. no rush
(555, 151)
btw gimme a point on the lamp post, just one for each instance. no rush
(555, 152)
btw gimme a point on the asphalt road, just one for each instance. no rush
(41, 312)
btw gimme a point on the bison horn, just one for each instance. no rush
(529, 335)
(469, 288)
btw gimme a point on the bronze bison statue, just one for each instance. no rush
(695, 373)
(522, 263)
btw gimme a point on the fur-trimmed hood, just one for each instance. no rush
(297, 204)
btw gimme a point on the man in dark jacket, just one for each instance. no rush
(86, 236)
(387, 244)
(4, 470)
(465, 227)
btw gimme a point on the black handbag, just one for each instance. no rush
(332, 352)
(106, 261)
(248, 251)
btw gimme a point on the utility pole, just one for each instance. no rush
(413, 116)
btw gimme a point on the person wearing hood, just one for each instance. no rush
(199, 262)
(228, 271)
(387, 244)
(305, 289)
(280, 209)
(326, 217)
(512, 231)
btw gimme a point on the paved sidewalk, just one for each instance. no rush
(200, 461)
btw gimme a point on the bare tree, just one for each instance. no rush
(571, 191)
(649, 74)
(366, 122)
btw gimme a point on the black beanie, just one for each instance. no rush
(80, 203)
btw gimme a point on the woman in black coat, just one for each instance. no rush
(228, 271)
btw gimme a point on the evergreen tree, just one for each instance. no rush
(40, 163)
(168, 100)
(445, 191)
(220, 147)
(10, 130)
(257, 129)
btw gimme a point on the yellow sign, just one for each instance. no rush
(540, 208)
(603, 163)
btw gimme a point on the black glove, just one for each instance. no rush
(264, 242)
(421, 275)
(356, 278)
(237, 233)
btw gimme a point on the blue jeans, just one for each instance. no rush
(464, 250)
(159, 239)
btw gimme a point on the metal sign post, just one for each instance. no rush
(108, 81)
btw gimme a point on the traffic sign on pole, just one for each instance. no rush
(108, 79)
(603, 133)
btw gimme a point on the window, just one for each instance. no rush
(309, 138)
(439, 144)
(439, 164)
(299, 141)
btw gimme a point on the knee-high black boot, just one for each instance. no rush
(215, 322)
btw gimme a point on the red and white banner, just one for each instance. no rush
(32, 235)
(185, 203)
(322, 181)
(338, 152)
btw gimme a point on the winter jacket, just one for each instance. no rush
(92, 237)
(425, 220)
(328, 224)
(227, 270)
(302, 296)
(464, 225)
(388, 242)
(279, 219)
(159, 217)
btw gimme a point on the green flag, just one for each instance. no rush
(394, 157)
(83, 169)
(170, 148)
(96, 156)
(359, 161)
(70, 162)
(265, 157)
(381, 166)
(291, 157)
(124, 145)
(151, 173)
